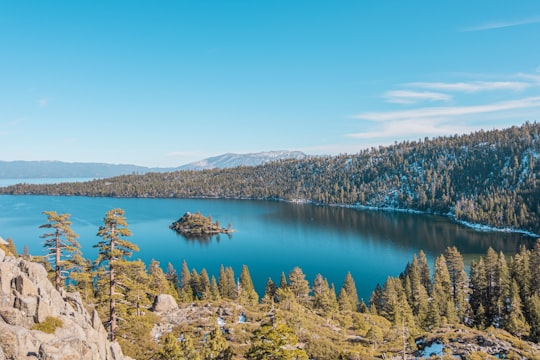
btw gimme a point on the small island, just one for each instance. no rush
(197, 225)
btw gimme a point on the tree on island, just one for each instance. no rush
(63, 250)
(112, 249)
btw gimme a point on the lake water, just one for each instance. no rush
(270, 237)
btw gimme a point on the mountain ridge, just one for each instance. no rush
(26, 169)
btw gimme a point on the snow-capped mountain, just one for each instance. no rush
(231, 160)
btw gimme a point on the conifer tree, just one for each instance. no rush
(515, 321)
(172, 275)
(186, 292)
(269, 292)
(275, 342)
(418, 297)
(299, 285)
(170, 348)
(158, 280)
(478, 299)
(533, 317)
(459, 282)
(322, 298)
(375, 300)
(248, 292)
(63, 249)
(442, 290)
(216, 346)
(534, 268)
(349, 287)
(222, 283)
(214, 289)
(111, 249)
(232, 290)
(520, 271)
(133, 282)
(283, 281)
(195, 285)
(425, 276)
(204, 283)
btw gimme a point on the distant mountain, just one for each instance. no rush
(60, 169)
(231, 160)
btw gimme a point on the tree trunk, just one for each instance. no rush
(112, 304)
(57, 253)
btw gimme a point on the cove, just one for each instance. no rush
(270, 238)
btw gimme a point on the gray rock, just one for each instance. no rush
(164, 303)
(24, 286)
(28, 297)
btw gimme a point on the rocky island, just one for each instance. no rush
(197, 225)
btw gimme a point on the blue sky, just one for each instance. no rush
(164, 83)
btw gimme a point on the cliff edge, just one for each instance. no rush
(27, 298)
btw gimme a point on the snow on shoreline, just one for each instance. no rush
(477, 227)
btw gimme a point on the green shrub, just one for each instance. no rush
(48, 326)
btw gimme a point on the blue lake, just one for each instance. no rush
(270, 237)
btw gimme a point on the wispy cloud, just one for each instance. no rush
(473, 86)
(43, 102)
(414, 128)
(413, 97)
(434, 112)
(502, 24)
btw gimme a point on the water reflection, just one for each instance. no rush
(431, 233)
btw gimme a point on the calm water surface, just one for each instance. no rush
(270, 237)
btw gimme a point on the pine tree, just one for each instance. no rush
(375, 300)
(133, 282)
(275, 342)
(170, 348)
(534, 268)
(63, 249)
(248, 292)
(158, 280)
(442, 291)
(269, 292)
(216, 346)
(204, 283)
(172, 275)
(232, 290)
(520, 271)
(459, 282)
(186, 293)
(299, 285)
(222, 283)
(195, 284)
(416, 292)
(112, 248)
(515, 321)
(214, 289)
(478, 298)
(349, 287)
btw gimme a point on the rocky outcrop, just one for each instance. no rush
(27, 297)
(164, 303)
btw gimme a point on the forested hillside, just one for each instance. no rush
(488, 177)
(492, 313)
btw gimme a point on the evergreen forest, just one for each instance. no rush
(491, 309)
(486, 177)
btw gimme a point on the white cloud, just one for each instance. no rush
(412, 97)
(472, 87)
(502, 24)
(43, 102)
(414, 128)
(434, 112)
